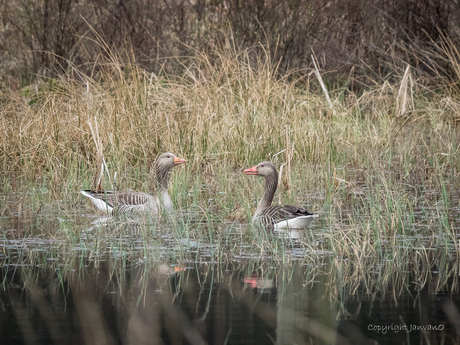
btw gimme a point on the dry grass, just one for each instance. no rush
(375, 165)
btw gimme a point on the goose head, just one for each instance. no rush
(262, 169)
(168, 160)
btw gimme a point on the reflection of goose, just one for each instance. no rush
(167, 270)
(277, 217)
(261, 283)
(131, 202)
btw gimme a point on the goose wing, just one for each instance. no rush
(275, 214)
(123, 202)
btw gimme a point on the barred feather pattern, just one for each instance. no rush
(274, 217)
(135, 202)
(125, 202)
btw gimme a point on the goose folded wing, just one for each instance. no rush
(119, 199)
(286, 212)
(296, 211)
(134, 199)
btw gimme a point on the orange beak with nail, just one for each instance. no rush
(178, 160)
(251, 171)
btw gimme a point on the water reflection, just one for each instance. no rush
(249, 303)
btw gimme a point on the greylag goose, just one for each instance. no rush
(131, 202)
(276, 217)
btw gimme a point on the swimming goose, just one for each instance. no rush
(276, 217)
(132, 202)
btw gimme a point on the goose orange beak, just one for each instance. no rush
(251, 171)
(178, 160)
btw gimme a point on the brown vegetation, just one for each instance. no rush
(48, 37)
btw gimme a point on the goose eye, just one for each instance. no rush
(168, 157)
(262, 166)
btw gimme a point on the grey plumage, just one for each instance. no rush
(123, 202)
(131, 202)
(275, 214)
(276, 217)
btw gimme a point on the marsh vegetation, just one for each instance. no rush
(374, 154)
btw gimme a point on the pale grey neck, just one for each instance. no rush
(271, 183)
(162, 177)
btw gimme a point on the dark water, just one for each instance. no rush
(125, 303)
(71, 281)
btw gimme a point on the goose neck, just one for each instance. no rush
(271, 183)
(162, 177)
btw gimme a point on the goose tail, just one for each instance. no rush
(100, 203)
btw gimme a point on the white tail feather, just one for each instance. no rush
(296, 223)
(100, 204)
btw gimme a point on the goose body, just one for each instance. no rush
(276, 217)
(131, 202)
